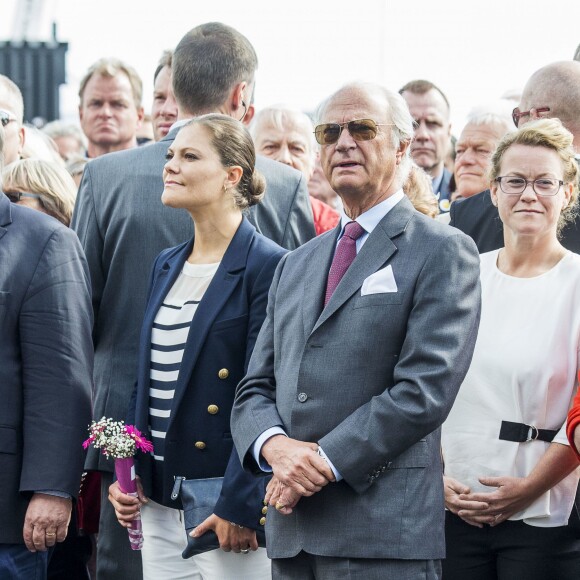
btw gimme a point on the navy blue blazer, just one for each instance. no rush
(46, 361)
(224, 329)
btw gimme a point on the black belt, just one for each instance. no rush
(521, 433)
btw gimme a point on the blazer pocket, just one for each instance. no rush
(229, 322)
(416, 456)
(382, 299)
(8, 440)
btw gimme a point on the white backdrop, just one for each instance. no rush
(307, 48)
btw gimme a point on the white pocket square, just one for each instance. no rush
(379, 282)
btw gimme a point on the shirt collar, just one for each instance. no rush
(437, 181)
(179, 124)
(371, 218)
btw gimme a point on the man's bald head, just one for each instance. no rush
(557, 86)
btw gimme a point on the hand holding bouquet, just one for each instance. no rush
(121, 442)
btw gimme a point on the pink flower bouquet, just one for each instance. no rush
(121, 442)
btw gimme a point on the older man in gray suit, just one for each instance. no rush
(369, 332)
(123, 226)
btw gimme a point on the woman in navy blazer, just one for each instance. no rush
(210, 173)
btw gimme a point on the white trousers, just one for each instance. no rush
(165, 539)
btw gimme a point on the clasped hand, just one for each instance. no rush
(512, 495)
(298, 471)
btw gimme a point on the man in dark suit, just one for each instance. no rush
(429, 108)
(46, 360)
(357, 366)
(123, 226)
(555, 87)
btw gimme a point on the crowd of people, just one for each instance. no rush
(355, 328)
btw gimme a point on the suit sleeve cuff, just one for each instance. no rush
(258, 444)
(54, 492)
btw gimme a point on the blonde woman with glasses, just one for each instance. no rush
(510, 475)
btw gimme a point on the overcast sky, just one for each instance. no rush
(475, 51)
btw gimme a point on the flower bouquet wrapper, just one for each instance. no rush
(120, 442)
(125, 472)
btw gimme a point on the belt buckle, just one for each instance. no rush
(532, 433)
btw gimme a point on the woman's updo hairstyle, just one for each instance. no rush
(235, 147)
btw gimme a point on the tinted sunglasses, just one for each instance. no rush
(16, 196)
(359, 129)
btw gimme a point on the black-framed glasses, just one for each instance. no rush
(16, 196)
(359, 129)
(6, 117)
(517, 114)
(544, 186)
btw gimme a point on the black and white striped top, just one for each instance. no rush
(168, 338)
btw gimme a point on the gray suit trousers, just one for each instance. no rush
(308, 567)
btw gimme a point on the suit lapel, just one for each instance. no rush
(376, 251)
(227, 277)
(315, 278)
(164, 280)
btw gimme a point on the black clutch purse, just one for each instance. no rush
(199, 497)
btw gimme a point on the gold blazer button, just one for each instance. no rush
(262, 521)
(200, 445)
(224, 374)
(213, 409)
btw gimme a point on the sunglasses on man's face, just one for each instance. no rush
(359, 129)
(6, 117)
(15, 197)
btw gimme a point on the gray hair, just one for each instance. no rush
(9, 86)
(398, 115)
(496, 113)
(279, 116)
(56, 129)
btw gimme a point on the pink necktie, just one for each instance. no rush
(343, 257)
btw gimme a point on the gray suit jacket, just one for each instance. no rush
(123, 226)
(371, 378)
(46, 361)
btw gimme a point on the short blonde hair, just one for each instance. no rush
(111, 67)
(551, 134)
(50, 181)
(419, 189)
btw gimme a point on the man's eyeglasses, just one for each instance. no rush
(359, 129)
(517, 114)
(517, 185)
(6, 117)
(16, 196)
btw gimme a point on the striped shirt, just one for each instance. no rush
(168, 337)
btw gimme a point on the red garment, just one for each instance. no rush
(573, 422)
(325, 218)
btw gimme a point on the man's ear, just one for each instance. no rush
(250, 112)
(238, 101)
(403, 146)
(140, 116)
(22, 139)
